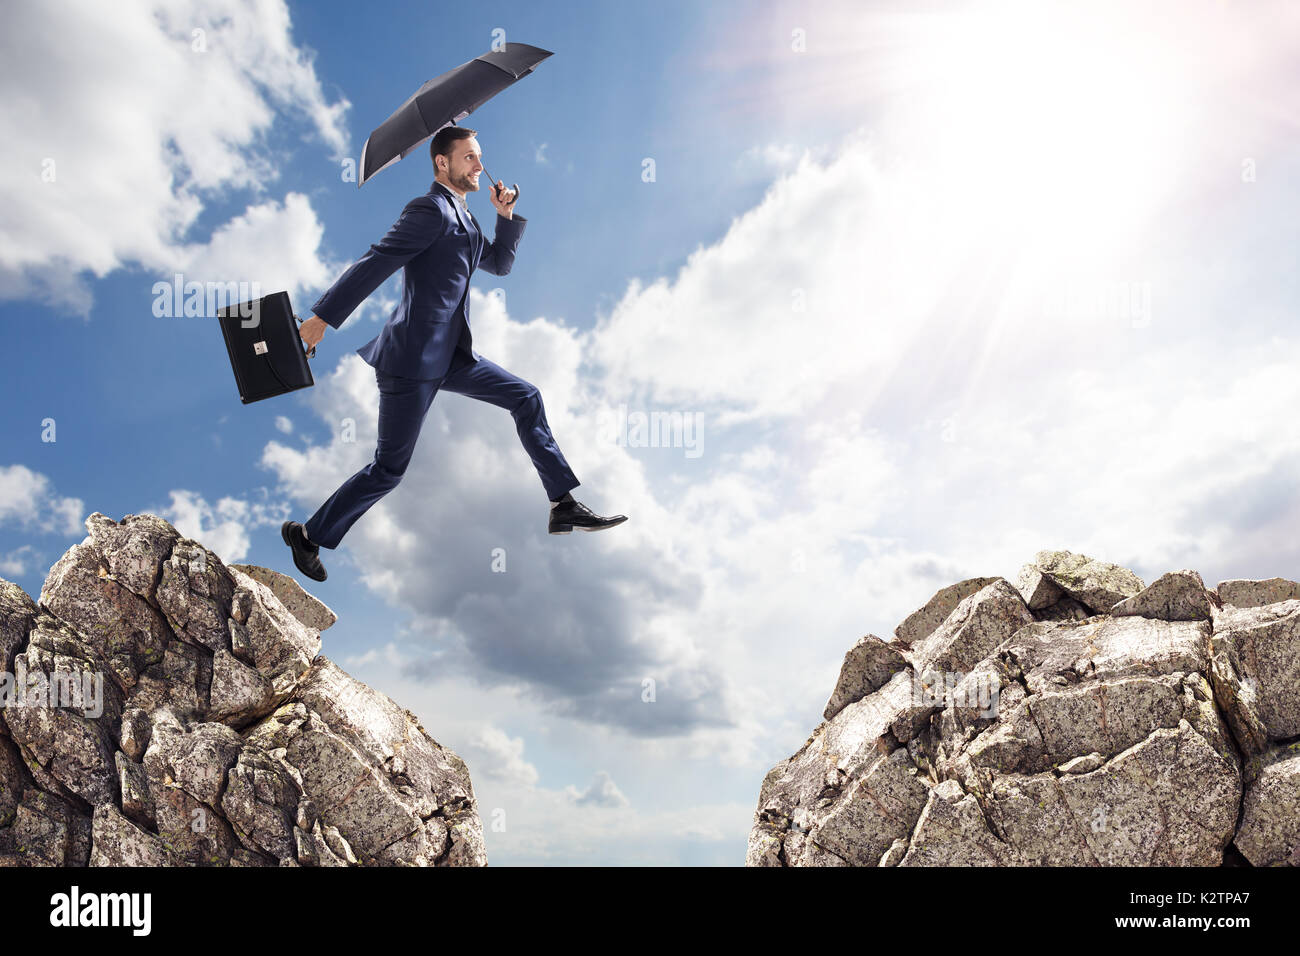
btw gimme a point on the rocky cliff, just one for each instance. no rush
(162, 708)
(1078, 717)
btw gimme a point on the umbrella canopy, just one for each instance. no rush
(443, 101)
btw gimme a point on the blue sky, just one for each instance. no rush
(939, 288)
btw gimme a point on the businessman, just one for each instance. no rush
(425, 347)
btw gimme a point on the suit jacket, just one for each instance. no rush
(440, 245)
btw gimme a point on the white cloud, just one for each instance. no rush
(15, 563)
(389, 654)
(771, 158)
(502, 756)
(283, 424)
(131, 158)
(271, 246)
(222, 527)
(528, 809)
(28, 500)
(601, 792)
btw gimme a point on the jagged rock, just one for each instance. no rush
(47, 831)
(798, 792)
(952, 831)
(121, 627)
(195, 593)
(260, 801)
(208, 729)
(278, 646)
(1046, 725)
(1168, 801)
(1098, 585)
(307, 608)
(897, 850)
(869, 664)
(14, 779)
(1256, 672)
(979, 623)
(1064, 609)
(1052, 656)
(862, 826)
(1270, 819)
(133, 549)
(921, 623)
(1037, 589)
(137, 800)
(17, 611)
(134, 733)
(53, 718)
(1176, 596)
(370, 769)
(1085, 764)
(116, 841)
(1243, 593)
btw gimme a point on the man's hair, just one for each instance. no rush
(441, 144)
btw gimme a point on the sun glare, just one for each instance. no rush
(1058, 123)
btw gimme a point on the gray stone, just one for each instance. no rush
(1176, 596)
(1269, 834)
(1037, 589)
(921, 623)
(868, 665)
(978, 624)
(1168, 801)
(1033, 729)
(952, 831)
(307, 608)
(47, 830)
(116, 841)
(17, 612)
(1257, 672)
(221, 736)
(1065, 609)
(1243, 593)
(1098, 585)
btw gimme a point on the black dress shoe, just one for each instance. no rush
(567, 515)
(305, 556)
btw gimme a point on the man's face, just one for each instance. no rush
(465, 167)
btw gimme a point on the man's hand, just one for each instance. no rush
(312, 331)
(502, 202)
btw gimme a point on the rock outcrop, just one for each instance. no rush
(162, 708)
(1078, 718)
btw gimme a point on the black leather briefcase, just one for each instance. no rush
(266, 351)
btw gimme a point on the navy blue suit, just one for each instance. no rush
(426, 346)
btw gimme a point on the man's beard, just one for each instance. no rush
(466, 184)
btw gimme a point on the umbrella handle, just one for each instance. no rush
(514, 187)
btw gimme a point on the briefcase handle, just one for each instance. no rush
(312, 350)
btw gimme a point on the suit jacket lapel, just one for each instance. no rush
(481, 239)
(462, 216)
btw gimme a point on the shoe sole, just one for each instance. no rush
(284, 533)
(565, 529)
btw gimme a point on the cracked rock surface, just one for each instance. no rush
(1075, 718)
(166, 709)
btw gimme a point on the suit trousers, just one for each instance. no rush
(403, 405)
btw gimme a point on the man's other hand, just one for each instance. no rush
(501, 199)
(312, 331)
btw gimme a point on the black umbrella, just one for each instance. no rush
(444, 100)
